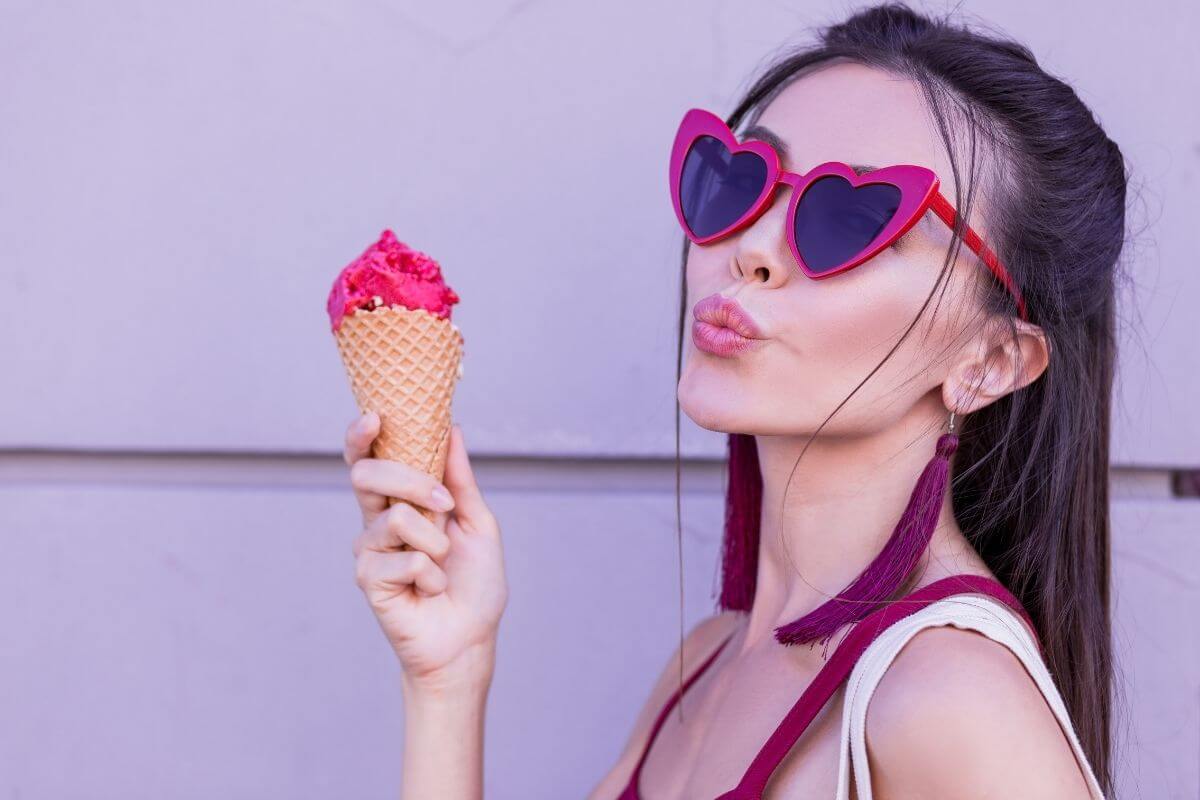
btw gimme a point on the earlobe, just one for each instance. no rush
(964, 389)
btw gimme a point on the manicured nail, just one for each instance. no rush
(442, 499)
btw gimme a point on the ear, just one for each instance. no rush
(994, 364)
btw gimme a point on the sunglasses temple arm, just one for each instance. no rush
(941, 206)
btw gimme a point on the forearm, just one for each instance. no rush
(443, 740)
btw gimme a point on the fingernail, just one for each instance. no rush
(442, 498)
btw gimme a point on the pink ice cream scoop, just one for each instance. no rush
(399, 275)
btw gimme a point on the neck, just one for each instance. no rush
(843, 501)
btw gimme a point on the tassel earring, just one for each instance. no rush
(743, 510)
(888, 571)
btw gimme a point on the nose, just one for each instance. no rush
(762, 255)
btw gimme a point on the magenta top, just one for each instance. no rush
(827, 680)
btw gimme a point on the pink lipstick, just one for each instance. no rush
(723, 327)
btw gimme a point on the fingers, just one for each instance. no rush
(470, 509)
(402, 524)
(359, 435)
(398, 569)
(376, 479)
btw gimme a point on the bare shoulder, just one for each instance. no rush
(957, 715)
(698, 645)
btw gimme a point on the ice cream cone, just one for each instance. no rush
(404, 365)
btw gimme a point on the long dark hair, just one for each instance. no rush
(1030, 479)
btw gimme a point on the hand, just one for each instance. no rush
(439, 604)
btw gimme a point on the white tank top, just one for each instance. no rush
(966, 611)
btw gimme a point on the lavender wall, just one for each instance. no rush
(178, 184)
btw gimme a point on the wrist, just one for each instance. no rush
(468, 677)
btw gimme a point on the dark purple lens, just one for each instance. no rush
(718, 187)
(836, 221)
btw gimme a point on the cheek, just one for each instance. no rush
(833, 333)
(849, 317)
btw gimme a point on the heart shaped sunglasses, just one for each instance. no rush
(837, 218)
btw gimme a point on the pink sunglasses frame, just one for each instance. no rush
(918, 187)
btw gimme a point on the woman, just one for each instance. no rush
(849, 345)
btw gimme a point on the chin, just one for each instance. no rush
(711, 401)
(719, 403)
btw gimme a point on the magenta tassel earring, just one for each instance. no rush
(743, 509)
(888, 571)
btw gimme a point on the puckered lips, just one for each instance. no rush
(723, 328)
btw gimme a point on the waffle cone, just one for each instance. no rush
(404, 364)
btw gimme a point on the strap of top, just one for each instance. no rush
(839, 666)
(631, 789)
(983, 615)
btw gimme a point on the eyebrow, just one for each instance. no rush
(770, 137)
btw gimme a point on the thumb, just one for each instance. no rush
(469, 505)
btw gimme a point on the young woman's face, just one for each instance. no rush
(822, 337)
